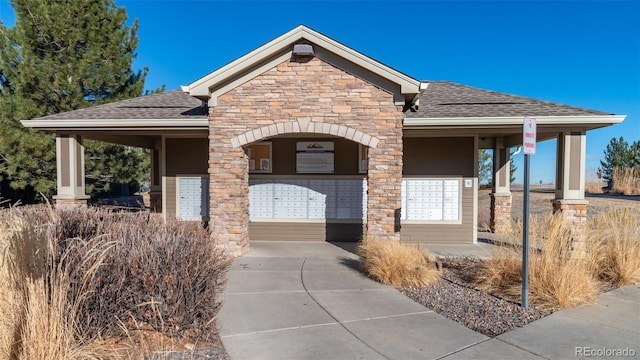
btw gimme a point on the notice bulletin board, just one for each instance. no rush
(314, 157)
(260, 157)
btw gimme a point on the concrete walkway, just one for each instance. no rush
(302, 300)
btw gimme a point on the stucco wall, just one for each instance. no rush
(442, 157)
(430, 156)
(183, 157)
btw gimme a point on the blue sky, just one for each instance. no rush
(582, 53)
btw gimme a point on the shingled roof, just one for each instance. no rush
(168, 105)
(445, 99)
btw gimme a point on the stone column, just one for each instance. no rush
(70, 172)
(570, 178)
(155, 187)
(384, 180)
(501, 198)
(228, 192)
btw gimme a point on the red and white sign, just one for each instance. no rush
(529, 136)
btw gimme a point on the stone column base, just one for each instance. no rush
(574, 213)
(71, 201)
(234, 249)
(155, 201)
(500, 213)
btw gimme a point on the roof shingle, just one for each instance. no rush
(168, 105)
(444, 99)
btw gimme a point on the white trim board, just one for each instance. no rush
(515, 120)
(117, 124)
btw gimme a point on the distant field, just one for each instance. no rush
(540, 202)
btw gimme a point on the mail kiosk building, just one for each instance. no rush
(305, 138)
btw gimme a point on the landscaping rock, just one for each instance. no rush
(455, 297)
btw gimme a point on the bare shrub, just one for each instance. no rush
(626, 180)
(397, 264)
(157, 276)
(168, 277)
(115, 273)
(559, 276)
(614, 240)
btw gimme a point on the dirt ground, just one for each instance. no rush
(540, 203)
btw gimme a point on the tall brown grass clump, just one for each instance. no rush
(37, 320)
(594, 184)
(626, 180)
(560, 276)
(594, 187)
(397, 264)
(614, 240)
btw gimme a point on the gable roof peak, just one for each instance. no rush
(280, 49)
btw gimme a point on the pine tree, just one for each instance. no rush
(512, 171)
(619, 154)
(485, 167)
(635, 154)
(61, 56)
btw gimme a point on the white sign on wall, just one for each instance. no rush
(314, 157)
(529, 136)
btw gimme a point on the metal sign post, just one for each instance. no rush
(529, 145)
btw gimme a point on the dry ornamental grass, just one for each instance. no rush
(38, 321)
(626, 180)
(567, 270)
(396, 264)
(594, 187)
(559, 276)
(614, 241)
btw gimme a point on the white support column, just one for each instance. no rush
(70, 171)
(501, 199)
(570, 165)
(501, 168)
(570, 178)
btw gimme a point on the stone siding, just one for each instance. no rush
(574, 213)
(65, 202)
(307, 98)
(501, 213)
